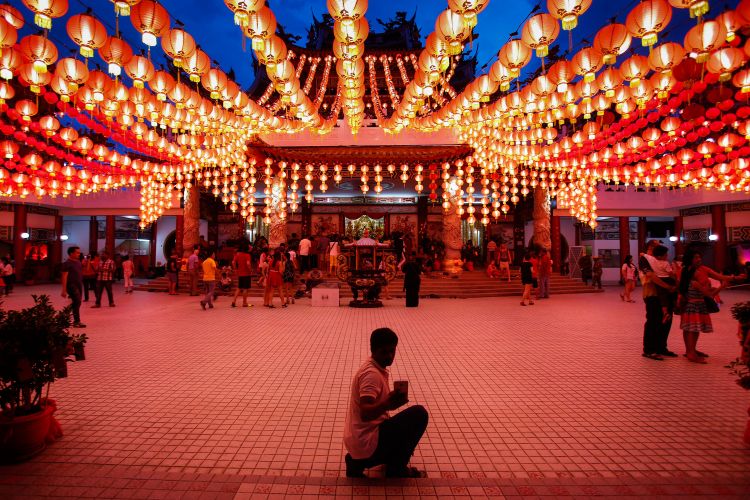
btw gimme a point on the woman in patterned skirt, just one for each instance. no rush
(694, 287)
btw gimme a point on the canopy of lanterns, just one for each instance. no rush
(670, 114)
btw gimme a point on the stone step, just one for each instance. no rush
(469, 284)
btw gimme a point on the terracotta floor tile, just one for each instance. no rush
(552, 400)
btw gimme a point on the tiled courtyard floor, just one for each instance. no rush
(549, 400)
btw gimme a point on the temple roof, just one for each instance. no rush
(395, 49)
(366, 154)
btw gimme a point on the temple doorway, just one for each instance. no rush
(473, 233)
(355, 227)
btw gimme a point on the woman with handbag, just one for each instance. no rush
(698, 301)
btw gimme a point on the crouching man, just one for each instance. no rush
(372, 436)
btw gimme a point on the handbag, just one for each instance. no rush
(711, 305)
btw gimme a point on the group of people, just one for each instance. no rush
(683, 287)
(498, 260)
(95, 272)
(592, 269)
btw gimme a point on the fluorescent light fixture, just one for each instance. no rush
(25, 236)
(713, 237)
(673, 238)
(63, 237)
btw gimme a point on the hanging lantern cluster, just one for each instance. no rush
(350, 30)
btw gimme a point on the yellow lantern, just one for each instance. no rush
(539, 32)
(452, 29)
(647, 19)
(568, 11)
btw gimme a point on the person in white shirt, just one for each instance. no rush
(627, 272)
(371, 436)
(304, 254)
(367, 241)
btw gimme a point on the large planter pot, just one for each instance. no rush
(23, 437)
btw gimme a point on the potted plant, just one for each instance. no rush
(33, 346)
(740, 367)
(77, 343)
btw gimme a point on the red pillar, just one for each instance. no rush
(719, 228)
(641, 236)
(678, 246)
(179, 233)
(93, 235)
(19, 244)
(152, 246)
(109, 242)
(56, 250)
(624, 238)
(555, 241)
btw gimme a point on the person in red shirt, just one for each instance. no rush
(544, 271)
(242, 265)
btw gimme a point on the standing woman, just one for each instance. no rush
(695, 287)
(275, 280)
(627, 272)
(288, 276)
(412, 281)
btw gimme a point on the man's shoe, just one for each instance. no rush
(79, 325)
(203, 305)
(668, 354)
(409, 472)
(111, 305)
(353, 469)
(653, 356)
(233, 304)
(96, 306)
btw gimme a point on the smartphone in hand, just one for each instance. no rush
(402, 387)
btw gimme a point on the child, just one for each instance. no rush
(492, 270)
(225, 283)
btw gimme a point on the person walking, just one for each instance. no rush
(209, 280)
(371, 435)
(127, 273)
(105, 275)
(90, 265)
(627, 273)
(243, 265)
(8, 274)
(72, 283)
(412, 280)
(193, 267)
(544, 272)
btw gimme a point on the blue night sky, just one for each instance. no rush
(211, 23)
